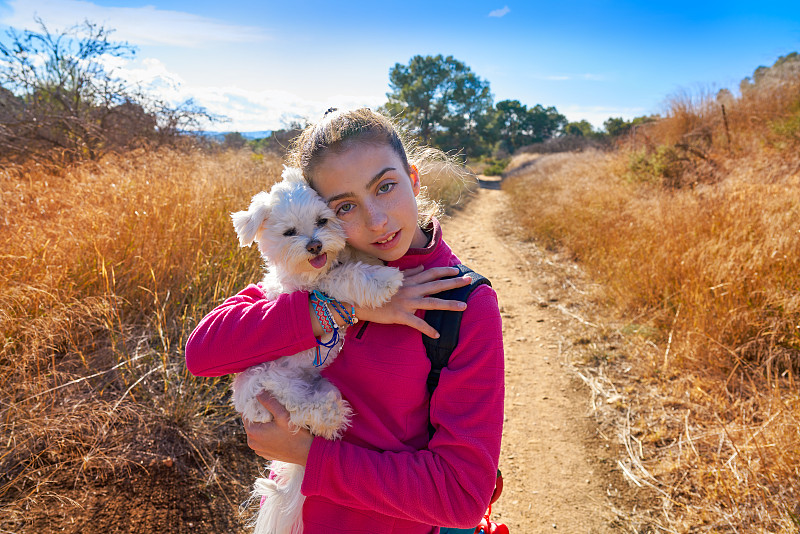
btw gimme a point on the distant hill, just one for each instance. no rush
(220, 136)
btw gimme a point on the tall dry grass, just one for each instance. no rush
(708, 281)
(105, 269)
(702, 276)
(764, 116)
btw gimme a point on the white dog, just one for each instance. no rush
(303, 246)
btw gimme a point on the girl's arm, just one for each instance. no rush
(248, 329)
(451, 482)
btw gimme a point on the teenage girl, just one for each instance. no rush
(386, 475)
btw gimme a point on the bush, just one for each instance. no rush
(58, 101)
(495, 167)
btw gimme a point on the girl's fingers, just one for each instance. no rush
(279, 439)
(421, 276)
(437, 286)
(414, 295)
(433, 303)
(419, 324)
(278, 411)
(413, 271)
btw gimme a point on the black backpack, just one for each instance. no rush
(448, 324)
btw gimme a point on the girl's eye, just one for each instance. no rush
(290, 232)
(345, 208)
(322, 222)
(385, 188)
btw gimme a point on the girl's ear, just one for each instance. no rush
(415, 183)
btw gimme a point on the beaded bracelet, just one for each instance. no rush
(348, 317)
(323, 313)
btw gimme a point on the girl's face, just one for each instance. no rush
(373, 196)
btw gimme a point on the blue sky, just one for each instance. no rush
(262, 63)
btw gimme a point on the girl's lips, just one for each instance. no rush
(318, 262)
(388, 242)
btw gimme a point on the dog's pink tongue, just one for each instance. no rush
(319, 262)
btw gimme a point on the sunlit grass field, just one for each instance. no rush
(105, 269)
(691, 227)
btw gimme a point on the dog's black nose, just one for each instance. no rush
(314, 247)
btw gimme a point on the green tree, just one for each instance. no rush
(440, 100)
(616, 126)
(469, 112)
(544, 123)
(516, 125)
(581, 128)
(510, 124)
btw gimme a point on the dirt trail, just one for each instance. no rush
(555, 472)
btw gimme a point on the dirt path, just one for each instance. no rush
(554, 470)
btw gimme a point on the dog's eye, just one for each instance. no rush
(290, 232)
(322, 222)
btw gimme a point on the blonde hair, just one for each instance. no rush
(339, 131)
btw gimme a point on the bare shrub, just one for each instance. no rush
(60, 102)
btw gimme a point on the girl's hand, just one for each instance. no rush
(413, 296)
(279, 439)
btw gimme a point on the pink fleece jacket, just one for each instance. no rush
(385, 475)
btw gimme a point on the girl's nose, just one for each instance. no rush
(375, 217)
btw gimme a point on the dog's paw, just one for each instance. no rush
(345, 417)
(381, 285)
(329, 430)
(255, 412)
(389, 279)
(331, 419)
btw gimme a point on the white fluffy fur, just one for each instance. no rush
(292, 226)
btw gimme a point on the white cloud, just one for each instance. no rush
(500, 12)
(270, 110)
(247, 110)
(139, 26)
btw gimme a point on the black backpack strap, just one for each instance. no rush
(448, 324)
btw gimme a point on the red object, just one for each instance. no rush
(487, 526)
(498, 489)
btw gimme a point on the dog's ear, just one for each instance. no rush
(292, 174)
(248, 223)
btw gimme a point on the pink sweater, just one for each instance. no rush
(384, 476)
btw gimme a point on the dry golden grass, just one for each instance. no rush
(105, 269)
(766, 116)
(446, 184)
(704, 282)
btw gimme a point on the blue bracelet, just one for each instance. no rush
(348, 317)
